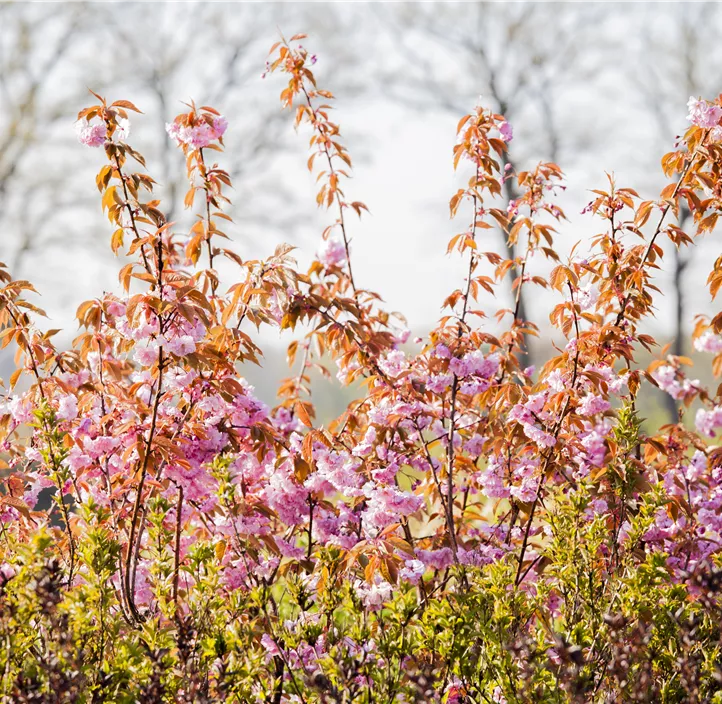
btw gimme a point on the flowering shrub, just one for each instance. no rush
(467, 531)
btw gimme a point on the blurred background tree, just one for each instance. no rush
(589, 85)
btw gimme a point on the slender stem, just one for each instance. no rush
(547, 458)
(139, 491)
(658, 229)
(455, 386)
(133, 223)
(176, 552)
(309, 549)
(208, 192)
(332, 171)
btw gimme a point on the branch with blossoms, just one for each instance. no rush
(466, 529)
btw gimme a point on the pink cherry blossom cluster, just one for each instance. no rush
(332, 252)
(199, 135)
(703, 114)
(94, 132)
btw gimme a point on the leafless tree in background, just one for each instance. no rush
(665, 80)
(214, 54)
(527, 60)
(455, 53)
(34, 41)
(158, 54)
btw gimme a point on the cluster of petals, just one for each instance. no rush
(530, 415)
(673, 382)
(709, 342)
(689, 537)
(94, 132)
(707, 421)
(332, 252)
(200, 135)
(703, 114)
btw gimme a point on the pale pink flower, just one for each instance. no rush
(412, 571)
(91, 133)
(7, 572)
(332, 252)
(122, 129)
(592, 404)
(506, 131)
(436, 559)
(394, 363)
(587, 296)
(67, 408)
(20, 409)
(498, 696)
(708, 342)
(708, 421)
(269, 645)
(199, 136)
(703, 114)
(220, 125)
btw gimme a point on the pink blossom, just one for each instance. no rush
(198, 136)
(623, 534)
(31, 495)
(616, 383)
(475, 445)
(270, 645)
(102, 445)
(394, 363)
(20, 409)
(438, 383)
(385, 505)
(33, 454)
(122, 130)
(7, 572)
(587, 296)
(498, 696)
(599, 506)
(147, 356)
(507, 133)
(220, 125)
(402, 336)
(376, 594)
(708, 421)
(492, 480)
(592, 404)
(180, 346)
(703, 114)
(539, 436)
(288, 549)
(708, 342)
(67, 408)
(332, 252)
(91, 133)
(556, 380)
(671, 380)
(412, 571)
(436, 559)
(77, 459)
